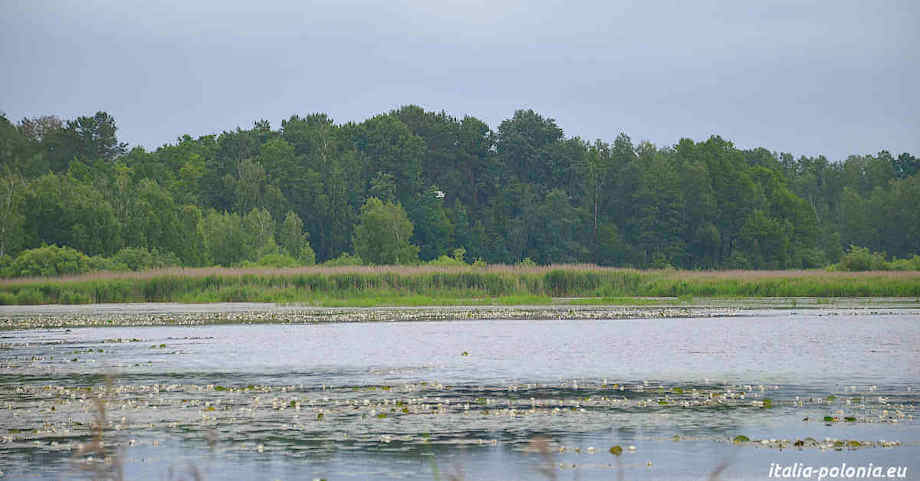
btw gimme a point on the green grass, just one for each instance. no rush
(425, 286)
(420, 300)
(622, 301)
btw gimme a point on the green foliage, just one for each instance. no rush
(445, 261)
(222, 235)
(522, 191)
(860, 259)
(65, 211)
(912, 264)
(12, 216)
(273, 260)
(456, 260)
(345, 259)
(382, 234)
(230, 239)
(140, 259)
(5, 262)
(48, 261)
(293, 240)
(433, 230)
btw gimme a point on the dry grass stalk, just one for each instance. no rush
(197, 272)
(548, 467)
(103, 462)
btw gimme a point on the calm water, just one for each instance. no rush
(423, 400)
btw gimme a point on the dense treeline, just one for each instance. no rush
(413, 185)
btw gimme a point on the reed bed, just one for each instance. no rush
(431, 285)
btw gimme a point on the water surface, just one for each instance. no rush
(421, 400)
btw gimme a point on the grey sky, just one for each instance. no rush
(834, 77)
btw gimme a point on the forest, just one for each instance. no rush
(413, 186)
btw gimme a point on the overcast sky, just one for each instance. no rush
(834, 77)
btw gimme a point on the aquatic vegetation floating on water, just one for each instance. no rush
(828, 443)
(253, 412)
(741, 439)
(314, 315)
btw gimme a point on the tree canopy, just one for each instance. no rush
(414, 186)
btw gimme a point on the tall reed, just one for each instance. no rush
(357, 284)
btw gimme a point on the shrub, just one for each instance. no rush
(49, 261)
(345, 259)
(99, 263)
(273, 260)
(455, 260)
(307, 256)
(139, 259)
(861, 259)
(527, 262)
(912, 264)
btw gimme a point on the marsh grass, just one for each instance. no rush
(371, 286)
(625, 301)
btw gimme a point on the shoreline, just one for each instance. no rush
(56, 316)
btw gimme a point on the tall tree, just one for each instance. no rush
(390, 147)
(382, 234)
(525, 146)
(12, 217)
(294, 241)
(92, 138)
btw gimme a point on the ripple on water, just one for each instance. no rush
(381, 392)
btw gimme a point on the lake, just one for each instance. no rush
(684, 398)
